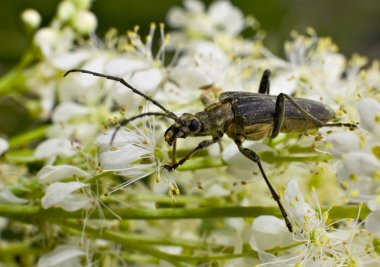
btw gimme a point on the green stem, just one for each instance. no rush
(197, 163)
(270, 158)
(141, 246)
(127, 243)
(16, 211)
(14, 76)
(15, 248)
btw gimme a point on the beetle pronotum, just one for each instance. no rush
(242, 116)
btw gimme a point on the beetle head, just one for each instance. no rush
(186, 125)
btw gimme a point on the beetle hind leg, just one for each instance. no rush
(250, 154)
(280, 112)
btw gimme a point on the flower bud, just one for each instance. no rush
(31, 18)
(82, 4)
(85, 22)
(66, 10)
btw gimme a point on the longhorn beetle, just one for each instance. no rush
(242, 116)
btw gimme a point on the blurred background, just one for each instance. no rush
(353, 25)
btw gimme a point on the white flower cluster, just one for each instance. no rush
(204, 56)
(315, 241)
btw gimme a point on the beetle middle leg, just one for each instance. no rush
(255, 158)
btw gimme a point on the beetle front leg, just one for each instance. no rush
(254, 157)
(201, 145)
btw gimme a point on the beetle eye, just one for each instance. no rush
(194, 125)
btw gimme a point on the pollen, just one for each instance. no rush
(355, 193)
(376, 151)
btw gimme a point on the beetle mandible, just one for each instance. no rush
(242, 116)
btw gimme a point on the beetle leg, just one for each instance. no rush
(254, 157)
(201, 145)
(206, 101)
(174, 158)
(265, 83)
(280, 109)
(279, 114)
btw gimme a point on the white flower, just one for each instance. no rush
(319, 244)
(53, 41)
(359, 164)
(226, 17)
(4, 145)
(63, 255)
(132, 154)
(222, 18)
(63, 195)
(49, 173)
(206, 64)
(127, 150)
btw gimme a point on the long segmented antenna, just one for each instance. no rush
(126, 121)
(169, 114)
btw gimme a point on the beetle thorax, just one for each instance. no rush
(208, 122)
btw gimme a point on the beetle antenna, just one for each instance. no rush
(169, 114)
(126, 121)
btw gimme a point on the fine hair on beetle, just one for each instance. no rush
(241, 116)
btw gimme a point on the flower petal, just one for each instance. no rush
(64, 111)
(361, 163)
(69, 60)
(372, 222)
(343, 142)
(147, 80)
(369, 111)
(8, 197)
(122, 66)
(4, 145)
(300, 212)
(53, 147)
(269, 232)
(60, 255)
(57, 192)
(51, 173)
